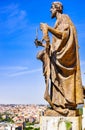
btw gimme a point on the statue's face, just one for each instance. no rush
(53, 11)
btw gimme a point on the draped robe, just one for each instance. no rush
(66, 86)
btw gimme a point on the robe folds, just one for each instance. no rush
(65, 77)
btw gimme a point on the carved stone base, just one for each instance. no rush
(83, 119)
(60, 123)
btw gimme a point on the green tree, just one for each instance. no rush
(37, 129)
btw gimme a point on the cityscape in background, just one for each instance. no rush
(26, 116)
(21, 79)
(21, 117)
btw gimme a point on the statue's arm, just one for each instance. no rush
(55, 32)
(59, 33)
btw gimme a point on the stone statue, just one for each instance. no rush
(61, 67)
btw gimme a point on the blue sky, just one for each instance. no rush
(21, 78)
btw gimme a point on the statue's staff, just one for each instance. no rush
(37, 42)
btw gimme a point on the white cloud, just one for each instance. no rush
(13, 68)
(12, 18)
(23, 72)
(12, 71)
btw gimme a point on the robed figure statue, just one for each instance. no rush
(61, 65)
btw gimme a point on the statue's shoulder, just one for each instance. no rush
(66, 19)
(65, 16)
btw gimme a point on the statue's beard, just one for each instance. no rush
(52, 16)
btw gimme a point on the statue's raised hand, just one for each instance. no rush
(43, 26)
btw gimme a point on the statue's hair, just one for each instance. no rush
(58, 5)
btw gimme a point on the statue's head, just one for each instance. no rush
(56, 7)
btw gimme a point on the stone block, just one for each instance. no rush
(60, 123)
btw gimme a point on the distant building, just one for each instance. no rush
(31, 119)
(7, 126)
(19, 126)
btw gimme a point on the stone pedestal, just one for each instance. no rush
(60, 123)
(83, 119)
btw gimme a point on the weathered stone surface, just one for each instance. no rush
(61, 63)
(67, 112)
(60, 123)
